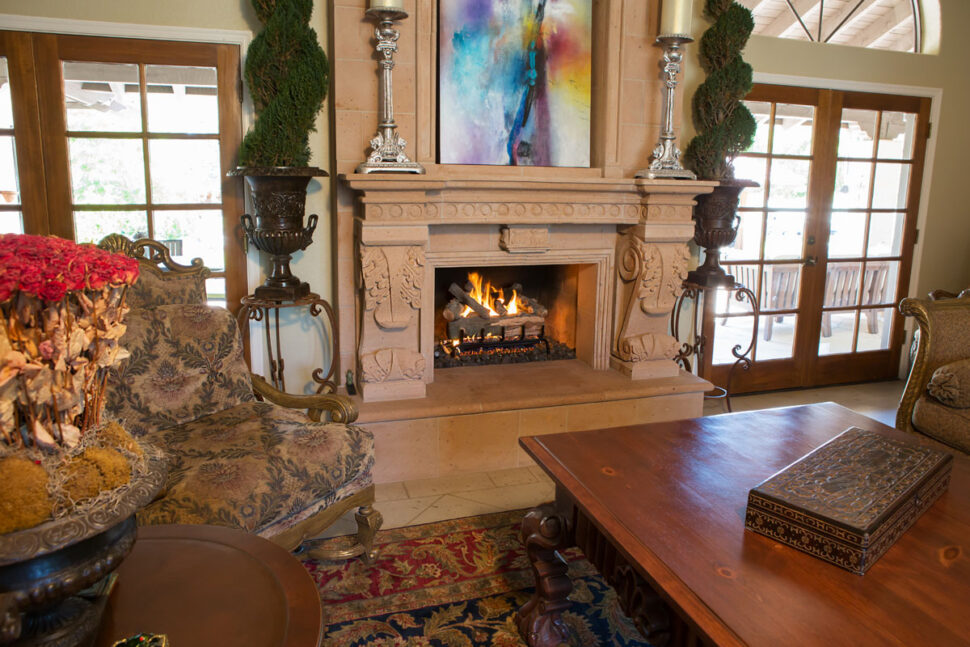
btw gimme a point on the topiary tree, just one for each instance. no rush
(287, 73)
(724, 124)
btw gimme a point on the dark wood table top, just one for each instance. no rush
(209, 585)
(671, 498)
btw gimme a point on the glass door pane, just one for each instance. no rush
(11, 218)
(145, 157)
(866, 224)
(766, 256)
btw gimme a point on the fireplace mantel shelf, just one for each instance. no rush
(374, 182)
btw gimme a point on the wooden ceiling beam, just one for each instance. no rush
(852, 11)
(897, 17)
(787, 19)
(903, 42)
(756, 5)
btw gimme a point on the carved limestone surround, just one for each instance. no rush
(628, 236)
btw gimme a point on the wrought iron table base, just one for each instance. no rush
(254, 309)
(698, 345)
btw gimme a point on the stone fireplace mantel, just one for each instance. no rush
(628, 235)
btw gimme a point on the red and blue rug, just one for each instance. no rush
(455, 584)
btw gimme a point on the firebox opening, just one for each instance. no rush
(505, 314)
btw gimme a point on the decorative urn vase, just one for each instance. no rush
(276, 226)
(716, 226)
(45, 570)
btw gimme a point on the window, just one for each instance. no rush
(137, 138)
(878, 24)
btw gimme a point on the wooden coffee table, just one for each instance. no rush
(209, 585)
(659, 509)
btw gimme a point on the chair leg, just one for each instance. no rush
(826, 325)
(369, 521)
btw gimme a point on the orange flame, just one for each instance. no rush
(483, 292)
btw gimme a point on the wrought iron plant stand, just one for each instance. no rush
(257, 309)
(701, 331)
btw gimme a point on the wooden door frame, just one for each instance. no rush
(807, 368)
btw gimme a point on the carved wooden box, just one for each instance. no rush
(849, 500)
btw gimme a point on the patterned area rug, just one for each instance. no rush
(454, 584)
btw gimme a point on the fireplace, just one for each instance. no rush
(505, 314)
(601, 259)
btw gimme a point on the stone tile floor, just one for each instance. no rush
(407, 503)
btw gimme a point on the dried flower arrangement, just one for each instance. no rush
(63, 308)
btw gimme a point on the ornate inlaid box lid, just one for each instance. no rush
(856, 480)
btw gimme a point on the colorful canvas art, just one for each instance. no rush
(514, 82)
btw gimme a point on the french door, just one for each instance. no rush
(826, 242)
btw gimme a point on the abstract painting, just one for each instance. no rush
(514, 82)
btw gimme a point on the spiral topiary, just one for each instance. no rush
(725, 126)
(287, 73)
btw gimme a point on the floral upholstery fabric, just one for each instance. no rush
(950, 384)
(948, 425)
(157, 288)
(951, 336)
(258, 467)
(186, 362)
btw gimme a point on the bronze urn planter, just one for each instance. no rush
(44, 568)
(276, 226)
(716, 226)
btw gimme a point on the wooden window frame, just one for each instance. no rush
(34, 63)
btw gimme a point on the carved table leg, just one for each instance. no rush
(544, 532)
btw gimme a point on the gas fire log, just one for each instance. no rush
(467, 299)
(474, 325)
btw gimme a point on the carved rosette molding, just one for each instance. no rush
(503, 212)
(653, 274)
(391, 364)
(393, 277)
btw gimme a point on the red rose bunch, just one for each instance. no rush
(62, 309)
(48, 267)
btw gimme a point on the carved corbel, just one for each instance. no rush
(391, 364)
(393, 276)
(651, 277)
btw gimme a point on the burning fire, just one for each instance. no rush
(485, 294)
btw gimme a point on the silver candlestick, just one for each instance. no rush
(666, 155)
(387, 147)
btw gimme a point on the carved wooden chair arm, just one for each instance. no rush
(340, 407)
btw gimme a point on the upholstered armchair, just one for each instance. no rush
(936, 401)
(240, 453)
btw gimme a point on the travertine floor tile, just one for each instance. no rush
(539, 473)
(390, 491)
(512, 476)
(448, 484)
(451, 506)
(513, 497)
(402, 513)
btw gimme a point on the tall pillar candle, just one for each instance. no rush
(389, 5)
(675, 17)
